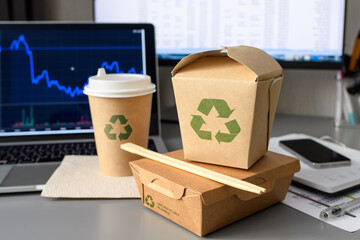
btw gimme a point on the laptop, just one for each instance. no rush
(44, 114)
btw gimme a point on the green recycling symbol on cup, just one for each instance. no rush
(122, 121)
(224, 111)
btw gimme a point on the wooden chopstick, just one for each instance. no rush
(188, 167)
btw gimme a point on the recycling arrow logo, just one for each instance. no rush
(109, 127)
(149, 201)
(224, 111)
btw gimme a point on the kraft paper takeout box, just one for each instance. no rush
(202, 205)
(226, 102)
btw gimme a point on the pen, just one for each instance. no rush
(339, 210)
(354, 60)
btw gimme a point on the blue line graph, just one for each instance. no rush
(115, 65)
(35, 79)
(81, 48)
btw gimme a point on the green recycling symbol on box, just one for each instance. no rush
(122, 121)
(224, 111)
(149, 201)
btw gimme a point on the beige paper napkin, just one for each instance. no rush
(80, 177)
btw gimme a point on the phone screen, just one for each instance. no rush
(314, 152)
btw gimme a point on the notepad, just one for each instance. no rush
(329, 180)
(313, 202)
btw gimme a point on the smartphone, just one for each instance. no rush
(314, 154)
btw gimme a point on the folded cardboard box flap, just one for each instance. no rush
(261, 63)
(165, 179)
(274, 92)
(192, 57)
(173, 182)
(256, 60)
(265, 173)
(161, 184)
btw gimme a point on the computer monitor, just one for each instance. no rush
(45, 66)
(297, 33)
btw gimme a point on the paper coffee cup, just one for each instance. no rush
(120, 106)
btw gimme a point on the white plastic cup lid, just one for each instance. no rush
(118, 85)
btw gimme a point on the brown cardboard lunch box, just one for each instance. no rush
(226, 102)
(202, 205)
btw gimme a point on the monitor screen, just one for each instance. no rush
(297, 33)
(45, 67)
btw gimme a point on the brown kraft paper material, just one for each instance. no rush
(202, 205)
(116, 121)
(226, 103)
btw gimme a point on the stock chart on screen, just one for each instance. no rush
(43, 74)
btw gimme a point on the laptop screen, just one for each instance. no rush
(44, 68)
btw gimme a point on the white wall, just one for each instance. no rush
(312, 92)
(63, 10)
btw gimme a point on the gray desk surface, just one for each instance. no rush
(28, 216)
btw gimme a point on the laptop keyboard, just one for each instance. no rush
(40, 153)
